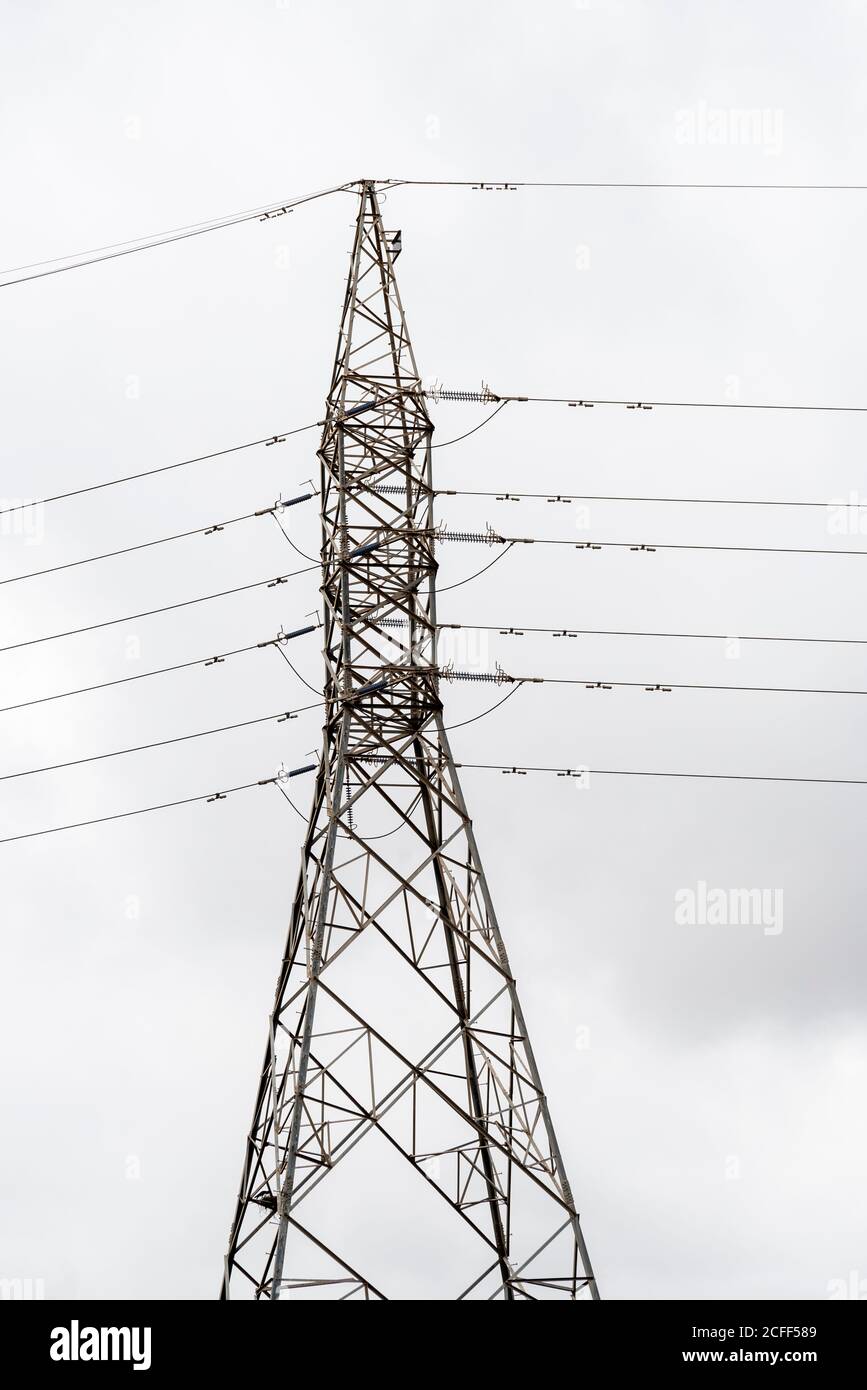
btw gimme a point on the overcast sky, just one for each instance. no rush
(706, 1081)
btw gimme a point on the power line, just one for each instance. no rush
(297, 549)
(519, 682)
(444, 589)
(213, 660)
(506, 631)
(161, 540)
(123, 680)
(153, 612)
(458, 438)
(125, 815)
(283, 792)
(162, 806)
(77, 261)
(553, 496)
(160, 743)
(164, 468)
(581, 772)
(492, 538)
(651, 687)
(208, 224)
(112, 251)
(666, 687)
(576, 773)
(510, 185)
(296, 673)
(489, 397)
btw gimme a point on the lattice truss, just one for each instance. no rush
(401, 1144)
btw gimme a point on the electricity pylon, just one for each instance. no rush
(401, 1144)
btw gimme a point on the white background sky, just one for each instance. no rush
(714, 1126)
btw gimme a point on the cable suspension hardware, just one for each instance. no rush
(498, 677)
(485, 396)
(487, 537)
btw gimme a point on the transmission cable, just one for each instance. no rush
(574, 773)
(457, 440)
(162, 540)
(298, 673)
(153, 612)
(470, 577)
(162, 806)
(37, 270)
(159, 743)
(164, 468)
(283, 791)
(297, 549)
(510, 185)
(139, 676)
(214, 660)
(487, 396)
(566, 632)
(517, 686)
(647, 547)
(667, 687)
(565, 498)
(125, 815)
(581, 772)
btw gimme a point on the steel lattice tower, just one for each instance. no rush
(400, 1130)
